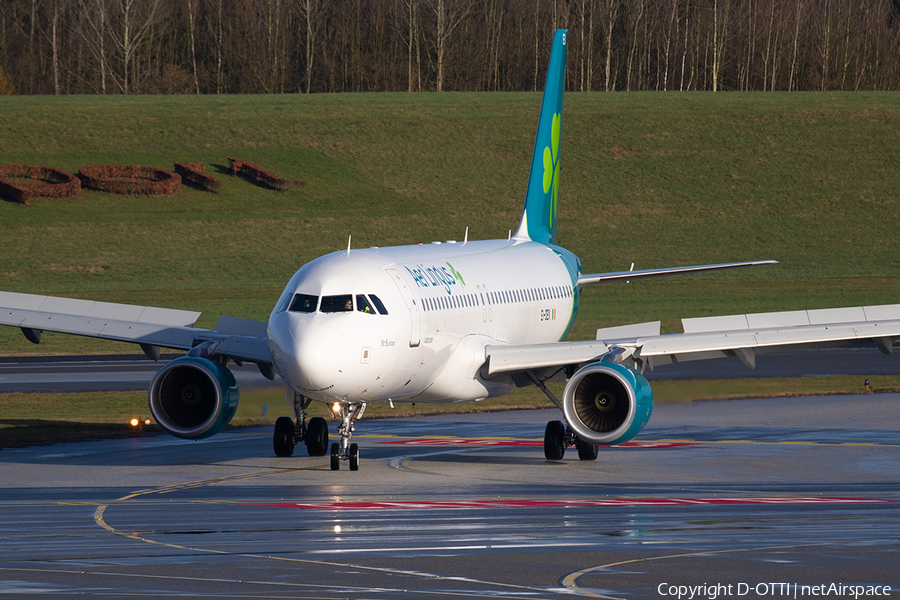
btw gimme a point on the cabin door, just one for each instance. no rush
(415, 321)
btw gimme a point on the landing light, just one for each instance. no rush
(336, 408)
(135, 422)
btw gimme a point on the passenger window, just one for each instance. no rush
(304, 303)
(378, 304)
(362, 305)
(336, 304)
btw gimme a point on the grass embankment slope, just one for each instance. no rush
(656, 179)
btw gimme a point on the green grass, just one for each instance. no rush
(810, 179)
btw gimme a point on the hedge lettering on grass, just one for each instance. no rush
(196, 174)
(130, 180)
(43, 182)
(253, 172)
(23, 182)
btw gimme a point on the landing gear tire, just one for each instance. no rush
(354, 457)
(555, 440)
(335, 457)
(283, 440)
(586, 451)
(317, 437)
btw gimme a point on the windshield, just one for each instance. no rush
(304, 303)
(333, 304)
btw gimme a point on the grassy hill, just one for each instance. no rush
(656, 179)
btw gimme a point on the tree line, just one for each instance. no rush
(287, 46)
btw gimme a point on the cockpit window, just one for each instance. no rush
(283, 302)
(378, 304)
(335, 304)
(362, 305)
(304, 303)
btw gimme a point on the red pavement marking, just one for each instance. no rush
(530, 443)
(568, 503)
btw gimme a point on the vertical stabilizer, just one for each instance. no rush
(541, 198)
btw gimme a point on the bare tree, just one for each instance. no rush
(134, 20)
(610, 14)
(720, 29)
(97, 18)
(448, 14)
(54, 44)
(634, 18)
(191, 27)
(494, 11)
(311, 15)
(796, 45)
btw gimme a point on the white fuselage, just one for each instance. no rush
(444, 303)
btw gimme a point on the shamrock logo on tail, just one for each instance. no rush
(551, 166)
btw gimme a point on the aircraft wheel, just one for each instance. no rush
(335, 457)
(555, 440)
(354, 457)
(586, 451)
(283, 439)
(317, 437)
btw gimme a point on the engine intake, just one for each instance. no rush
(607, 403)
(193, 398)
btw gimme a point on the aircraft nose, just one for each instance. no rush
(320, 356)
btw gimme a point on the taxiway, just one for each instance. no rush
(803, 491)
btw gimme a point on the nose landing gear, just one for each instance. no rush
(348, 412)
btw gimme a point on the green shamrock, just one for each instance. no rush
(457, 274)
(551, 166)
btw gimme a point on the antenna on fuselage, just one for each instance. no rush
(466, 238)
(348, 244)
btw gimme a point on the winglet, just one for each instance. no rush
(541, 199)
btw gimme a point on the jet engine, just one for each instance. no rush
(607, 403)
(193, 397)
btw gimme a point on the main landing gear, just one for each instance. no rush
(289, 432)
(558, 437)
(348, 412)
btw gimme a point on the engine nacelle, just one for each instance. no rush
(607, 403)
(193, 397)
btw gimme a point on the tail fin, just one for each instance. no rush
(541, 199)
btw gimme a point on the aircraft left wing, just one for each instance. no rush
(150, 327)
(597, 278)
(743, 336)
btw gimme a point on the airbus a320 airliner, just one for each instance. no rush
(441, 322)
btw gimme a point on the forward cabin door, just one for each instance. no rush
(415, 321)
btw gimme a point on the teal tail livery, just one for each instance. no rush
(443, 322)
(542, 196)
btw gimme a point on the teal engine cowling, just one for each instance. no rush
(607, 403)
(193, 397)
